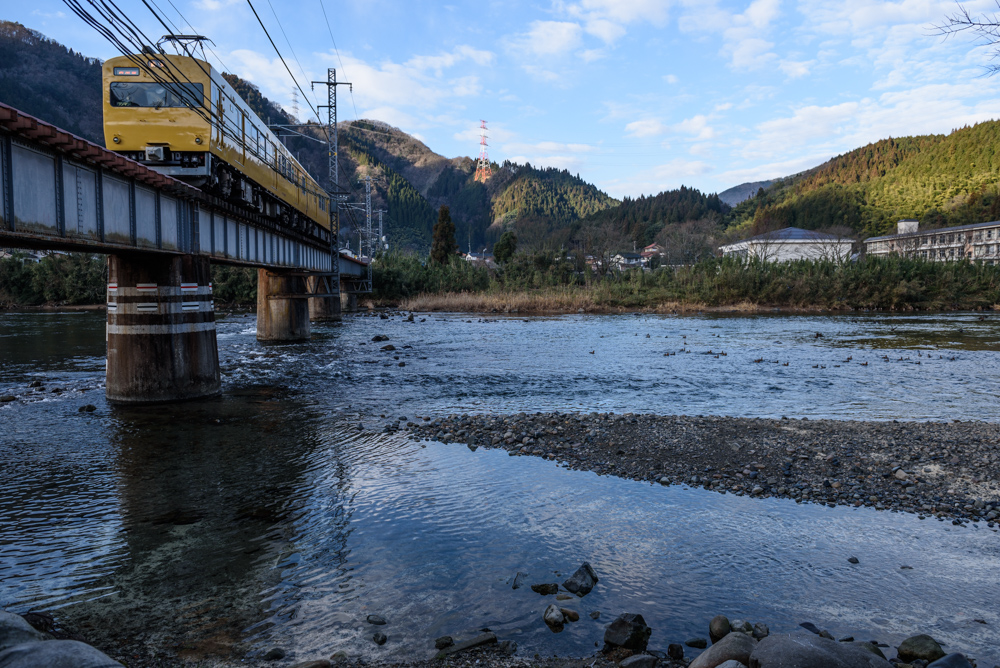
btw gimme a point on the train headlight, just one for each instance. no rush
(197, 140)
(117, 139)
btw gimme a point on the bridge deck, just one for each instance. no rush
(61, 192)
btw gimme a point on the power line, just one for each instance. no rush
(191, 25)
(280, 57)
(287, 41)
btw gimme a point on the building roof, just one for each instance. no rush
(940, 230)
(796, 234)
(630, 256)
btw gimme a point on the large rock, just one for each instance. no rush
(805, 650)
(628, 631)
(718, 628)
(639, 661)
(734, 646)
(581, 582)
(14, 630)
(955, 660)
(553, 616)
(732, 663)
(920, 647)
(55, 654)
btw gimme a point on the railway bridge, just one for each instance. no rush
(61, 192)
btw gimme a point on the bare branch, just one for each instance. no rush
(986, 29)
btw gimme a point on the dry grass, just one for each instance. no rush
(554, 300)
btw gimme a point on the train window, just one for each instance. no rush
(136, 94)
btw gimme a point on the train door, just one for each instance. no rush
(243, 135)
(220, 112)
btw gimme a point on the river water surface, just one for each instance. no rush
(267, 518)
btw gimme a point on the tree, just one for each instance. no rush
(505, 248)
(985, 27)
(444, 246)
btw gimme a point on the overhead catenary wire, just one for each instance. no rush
(282, 59)
(288, 42)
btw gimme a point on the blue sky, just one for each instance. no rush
(636, 96)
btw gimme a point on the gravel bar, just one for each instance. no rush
(948, 470)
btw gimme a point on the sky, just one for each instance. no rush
(635, 96)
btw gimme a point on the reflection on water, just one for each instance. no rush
(267, 518)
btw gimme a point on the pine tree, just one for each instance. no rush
(444, 246)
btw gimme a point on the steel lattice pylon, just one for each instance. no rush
(483, 169)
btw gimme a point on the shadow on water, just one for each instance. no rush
(208, 495)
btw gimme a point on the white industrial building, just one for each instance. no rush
(979, 242)
(792, 243)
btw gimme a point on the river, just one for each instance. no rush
(267, 518)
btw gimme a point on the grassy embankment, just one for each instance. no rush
(546, 284)
(543, 283)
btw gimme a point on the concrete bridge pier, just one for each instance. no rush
(161, 329)
(326, 307)
(282, 306)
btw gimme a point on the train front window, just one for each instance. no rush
(136, 94)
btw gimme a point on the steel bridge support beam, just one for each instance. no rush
(282, 306)
(161, 329)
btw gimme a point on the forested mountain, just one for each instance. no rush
(46, 80)
(939, 179)
(644, 218)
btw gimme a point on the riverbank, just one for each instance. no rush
(949, 471)
(572, 300)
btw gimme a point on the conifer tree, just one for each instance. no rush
(505, 247)
(444, 246)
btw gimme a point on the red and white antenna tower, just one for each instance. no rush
(483, 170)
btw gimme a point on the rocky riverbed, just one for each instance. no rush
(949, 470)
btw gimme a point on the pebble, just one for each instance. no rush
(379, 638)
(376, 619)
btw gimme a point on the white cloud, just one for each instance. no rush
(697, 126)
(670, 78)
(605, 30)
(446, 60)
(744, 35)
(590, 55)
(648, 127)
(548, 38)
(631, 11)
(795, 69)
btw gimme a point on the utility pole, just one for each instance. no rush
(336, 196)
(381, 239)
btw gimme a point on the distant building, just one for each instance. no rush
(627, 260)
(651, 251)
(979, 242)
(479, 258)
(792, 243)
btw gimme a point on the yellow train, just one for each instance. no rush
(179, 116)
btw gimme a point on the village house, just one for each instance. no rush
(627, 261)
(792, 243)
(979, 242)
(651, 251)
